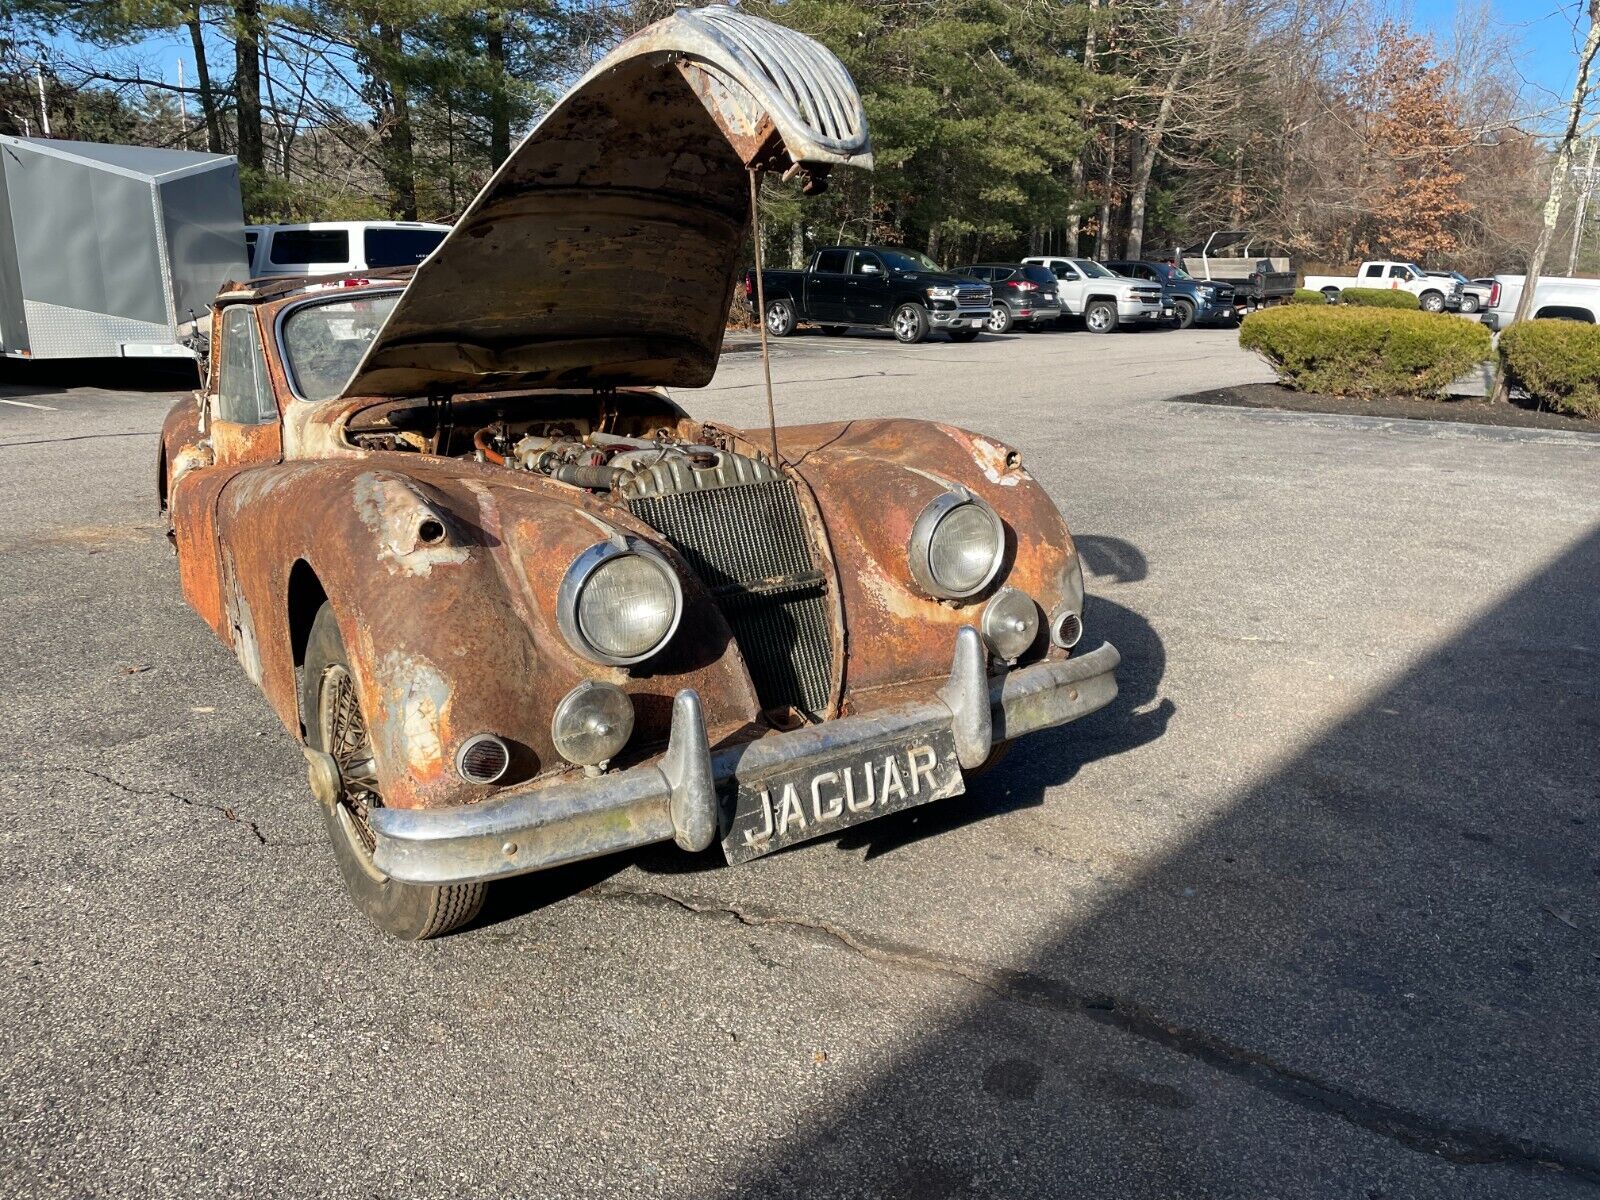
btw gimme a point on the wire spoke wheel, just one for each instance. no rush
(344, 733)
(336, 726)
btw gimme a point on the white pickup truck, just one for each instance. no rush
(1433, 293)
(1554, 297)
(1101, 297)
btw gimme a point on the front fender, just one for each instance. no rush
(442, 576)
(871, 479)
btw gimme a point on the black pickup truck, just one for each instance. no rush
(869, 287)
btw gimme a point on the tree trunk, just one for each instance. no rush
(247, 82)
(499, 98)
(933, 243)
(1145, 162)
(797, 245)
(1102, 236)
(1075, 204)
(399, 160)
(1558, 182)
(202, 71)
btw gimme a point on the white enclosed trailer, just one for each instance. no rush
(112, 251)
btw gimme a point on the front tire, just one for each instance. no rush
(1184, 311)
(336, 726)
(910, 324)
(1000, 319)
(780, 318)
(1100, 317)
(1432, 302)
(1469, 304)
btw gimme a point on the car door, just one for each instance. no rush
(867, 290)
(243, 430)
(825, 288)
(1399, 276)
(1069, 285)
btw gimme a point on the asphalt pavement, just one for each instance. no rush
(1312, 910)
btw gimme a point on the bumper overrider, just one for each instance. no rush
(680, 796)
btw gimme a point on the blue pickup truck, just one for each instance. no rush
(873, 287)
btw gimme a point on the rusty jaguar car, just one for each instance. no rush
(518, 607)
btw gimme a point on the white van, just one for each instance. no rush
(334, 247)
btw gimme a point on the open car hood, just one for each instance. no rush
(605, 250)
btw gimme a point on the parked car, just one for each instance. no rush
(1475, 294)
(1022, 292)
(1555, 297)
(337, 247)
(869, 287)
(1463, 296)
(1432, 293)
(1102, 298)
(518, 607)
(1193, 301)
(1226, 257)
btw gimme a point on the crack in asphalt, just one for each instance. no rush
(169, 794)
(78, 437)
(1465, 1145)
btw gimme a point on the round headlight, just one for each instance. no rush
(619, 603)
(956, 546)
(1010, 623)
(592, 723)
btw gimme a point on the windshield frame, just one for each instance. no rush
(343, 296)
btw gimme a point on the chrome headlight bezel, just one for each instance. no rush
(919, 551)
(570, 597)
(942, 292)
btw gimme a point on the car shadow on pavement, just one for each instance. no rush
(1370, 972)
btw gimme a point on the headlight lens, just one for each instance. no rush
(619, 603)
(956, 547)
(941, 293)
(592, 723)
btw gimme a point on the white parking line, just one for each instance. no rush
(25, 404)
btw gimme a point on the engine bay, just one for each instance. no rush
(629, 444)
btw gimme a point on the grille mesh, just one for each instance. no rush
(749, 546)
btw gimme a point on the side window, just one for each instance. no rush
(291, 247)
(1063, 271)
(1399, 272)
(982, 273)
(244, 394)
(1373, 272)
(250, 240)
(833, 262)
(867, 264)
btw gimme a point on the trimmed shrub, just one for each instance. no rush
(1379, 298)
(1307, 296)
(1555, 362)
(1365, 351)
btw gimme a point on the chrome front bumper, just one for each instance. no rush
(675, 797)
(944, 318)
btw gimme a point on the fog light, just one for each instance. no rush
(1066, 629)
(1010, 623)
(593, 723)
(483, 758)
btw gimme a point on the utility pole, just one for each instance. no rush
(44, 107)
(1584, 192)
(183, 108)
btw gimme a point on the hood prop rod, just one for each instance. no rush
(761, 310)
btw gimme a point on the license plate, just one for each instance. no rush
(795, 805)
(979, 323)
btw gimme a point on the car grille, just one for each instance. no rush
(749, 546)
(974, 297)
(1148, 295)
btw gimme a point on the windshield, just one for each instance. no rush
(1174, 272)
(909, 260)
(323, 342)
(1092, 269)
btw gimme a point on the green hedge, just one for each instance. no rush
(1379, 298)
(1555, 362)
(1365, 351)
(1307, 296)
